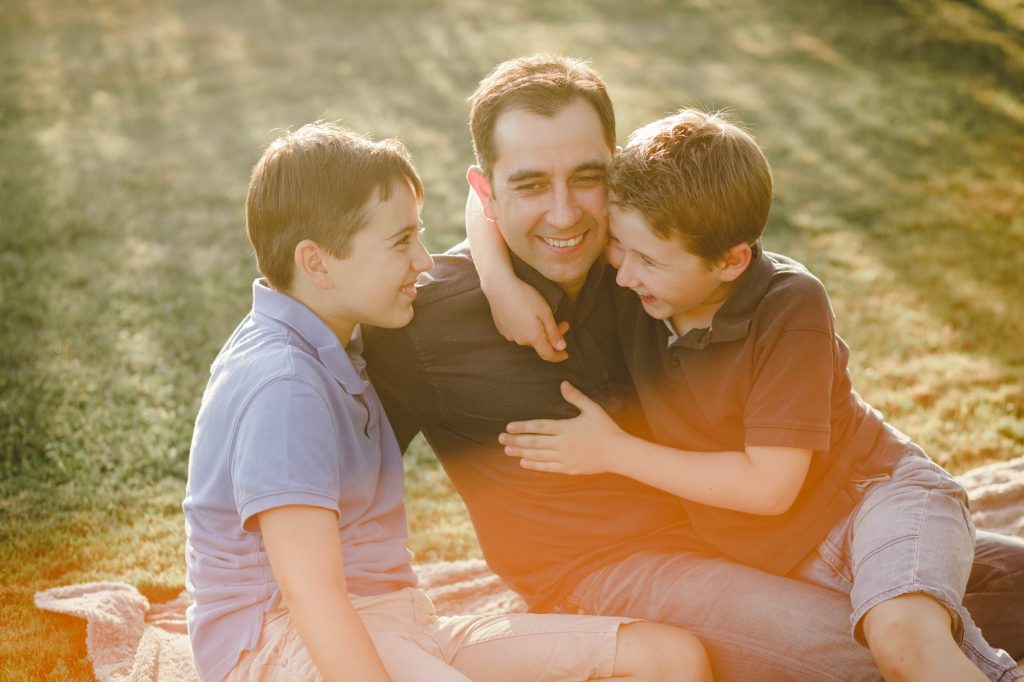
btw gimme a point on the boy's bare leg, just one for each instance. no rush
(910, 639)
(652, 651)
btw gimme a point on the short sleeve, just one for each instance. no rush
(286, 451)
(399, 377)
(790, 402)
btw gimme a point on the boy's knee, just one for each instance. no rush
(652, 651)
(902, 631)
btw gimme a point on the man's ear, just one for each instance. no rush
(734, 262)
(310, 265)
(482, 188)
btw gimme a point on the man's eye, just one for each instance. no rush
(593, 179)
(647, 261)
(528, 187)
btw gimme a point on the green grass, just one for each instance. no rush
(128, 128)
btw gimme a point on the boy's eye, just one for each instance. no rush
(406, 240)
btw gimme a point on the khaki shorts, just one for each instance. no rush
(417, 645)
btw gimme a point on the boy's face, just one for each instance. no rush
(375, 283)
(672, 283)
(547, 190)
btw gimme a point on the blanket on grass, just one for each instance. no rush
(130, 640)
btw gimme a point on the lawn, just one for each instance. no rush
(128, 129)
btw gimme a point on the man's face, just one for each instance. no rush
(548, 190)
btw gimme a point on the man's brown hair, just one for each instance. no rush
(543, 84)
(696, 177)
(315, 183)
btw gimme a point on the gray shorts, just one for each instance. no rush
(910, 533)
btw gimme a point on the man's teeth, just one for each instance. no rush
(563, 243)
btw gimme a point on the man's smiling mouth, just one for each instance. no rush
(563, 243)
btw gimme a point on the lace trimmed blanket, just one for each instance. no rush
(130, 640)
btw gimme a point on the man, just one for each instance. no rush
(543, 129)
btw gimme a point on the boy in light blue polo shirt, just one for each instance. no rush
(295, 529)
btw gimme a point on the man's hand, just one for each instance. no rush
(581, 445)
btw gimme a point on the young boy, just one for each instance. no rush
(295, 529)
(779, 462)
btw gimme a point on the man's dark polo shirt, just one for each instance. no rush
(769, 371)
(451, 375)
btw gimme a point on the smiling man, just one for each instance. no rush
(548, 188)
(543, 130)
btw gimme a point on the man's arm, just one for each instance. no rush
(305, 554)
(757, 480)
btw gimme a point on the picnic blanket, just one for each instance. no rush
(130, 640)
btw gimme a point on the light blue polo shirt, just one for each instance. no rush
(288, 417)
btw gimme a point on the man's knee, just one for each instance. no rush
(652, 651)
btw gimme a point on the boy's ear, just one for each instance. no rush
(734, 262)
(482, 188)
(310, 265)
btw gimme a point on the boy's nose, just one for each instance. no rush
(422, 261)
(624, 277)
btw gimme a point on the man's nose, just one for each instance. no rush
(564, 211)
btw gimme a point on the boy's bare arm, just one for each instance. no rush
(757, 480)
(305, 554)
(519, 312)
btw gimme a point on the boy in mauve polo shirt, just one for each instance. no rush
(295, 528)
(779, 462)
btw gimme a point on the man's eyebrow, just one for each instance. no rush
(526, 174)
(529, 174)
(591, 165)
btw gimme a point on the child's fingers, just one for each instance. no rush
(547, 427)
(542, 344)
(533, 453)
(528, 441)
(548, 341)
(576, 397)
(535, 465)
(555, 332)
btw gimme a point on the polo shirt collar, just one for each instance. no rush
(347, 368)
(732, 321)
(551, 292)
(554, 294)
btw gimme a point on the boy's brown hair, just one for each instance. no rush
(696, 177)
(543, 84)
(315, 183)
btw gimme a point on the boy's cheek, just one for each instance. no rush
(614, 254)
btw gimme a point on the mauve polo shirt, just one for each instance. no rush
(451, 375)
(288, 418)
(769, 371)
